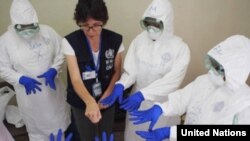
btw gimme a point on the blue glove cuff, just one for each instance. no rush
(23, 80)
(140, 95)
(158, 109)
(167, 132)
(119, 86)
(53, 71)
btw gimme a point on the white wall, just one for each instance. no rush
(201, 23)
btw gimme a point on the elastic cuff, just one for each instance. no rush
(173, 133)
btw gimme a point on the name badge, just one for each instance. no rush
(88, 75)
(97, 89)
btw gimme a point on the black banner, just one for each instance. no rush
(214, 132)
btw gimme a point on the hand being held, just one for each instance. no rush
(105, 95)
(93, 112)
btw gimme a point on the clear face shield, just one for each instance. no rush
(211, 63)
(27, 31)
(153, 26)
(216, 71)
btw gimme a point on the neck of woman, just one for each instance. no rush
(94, 43)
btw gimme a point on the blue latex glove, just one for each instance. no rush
(59, 136)
(104, 137)
(133, 102)
(30, 84)
(49, 78)
(117, 93)
(151, 114)
(155, 135)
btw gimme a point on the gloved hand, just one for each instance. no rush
(133, 102)
(104, 137)
(155, 135)
(49, 78)
(116, 93)
(30, 84)
(151, 114)
(59, 136)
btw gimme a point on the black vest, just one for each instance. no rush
(110, 43)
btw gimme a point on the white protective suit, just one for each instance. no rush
(46, 111)
(156, 68)
(205, 102)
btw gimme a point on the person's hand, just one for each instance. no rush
(117, 93)
(59, 136)
(30, 84)
(101, 106)
(93, 112)
(105, 94)
(155, 135)
(133, 102)
(105, 138)
(49, 77)
(151, 114)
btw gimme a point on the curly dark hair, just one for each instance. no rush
(95, 9)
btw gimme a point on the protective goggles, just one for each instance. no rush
(211, 63)
(21, 27)
(149, 22)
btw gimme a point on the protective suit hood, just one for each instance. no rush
(162, 10)
(233, 55)
(22, 12)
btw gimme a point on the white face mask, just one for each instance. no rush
(216, 78)
(153, 32)
(28, 33)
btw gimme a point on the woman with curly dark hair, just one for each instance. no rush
(94, 59)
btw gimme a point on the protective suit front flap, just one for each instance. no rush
(22, 12)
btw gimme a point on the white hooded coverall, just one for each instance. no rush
(46, 111)
(156, 68)
(205, 101)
